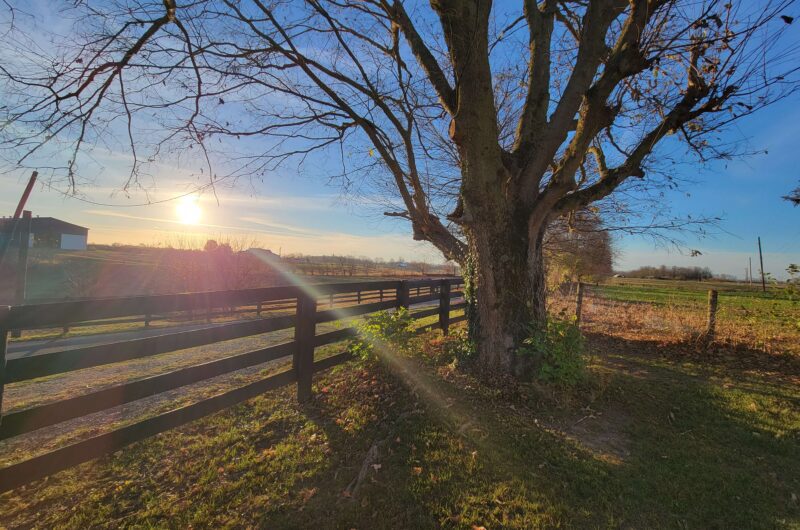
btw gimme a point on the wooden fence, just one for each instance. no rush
(301, 308)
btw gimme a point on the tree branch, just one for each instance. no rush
(423, 55)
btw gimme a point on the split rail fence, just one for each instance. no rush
(298, 307)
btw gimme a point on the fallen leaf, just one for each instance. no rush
(416, 470)
(307, 493)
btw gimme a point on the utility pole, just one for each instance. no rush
(15, 220)
(761, 258)
(750, 260)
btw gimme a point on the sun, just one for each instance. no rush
(188, 211)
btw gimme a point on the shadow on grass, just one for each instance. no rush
(453, 452)
(719, 355)
(699, 454)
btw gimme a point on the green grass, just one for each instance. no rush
(651, 441)
(661, 435)
(688, 292)
(745, 315)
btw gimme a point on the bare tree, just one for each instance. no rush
(578, 247)
(479, 124)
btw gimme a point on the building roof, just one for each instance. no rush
(41, 225)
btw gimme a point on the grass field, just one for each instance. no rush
(662, 435)
(746, 317)
(107, 271)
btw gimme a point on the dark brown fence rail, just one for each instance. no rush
(273, 309)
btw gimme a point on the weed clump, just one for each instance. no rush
(556, 350)
(384, 328)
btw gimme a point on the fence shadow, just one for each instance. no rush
(691, 458)
(720, 354)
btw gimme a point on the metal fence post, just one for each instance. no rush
(4, 312)
(712, 316)
(304, 332)
(403, 295)
(579, 303)
(444, 306)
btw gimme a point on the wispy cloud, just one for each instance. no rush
(264, 227)
(280, 226)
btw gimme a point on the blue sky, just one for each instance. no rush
(298, 212)
(747, 193)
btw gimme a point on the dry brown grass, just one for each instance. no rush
(769, 326)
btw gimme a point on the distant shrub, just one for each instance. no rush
(793, 283)
(557, 347)
(385, 327)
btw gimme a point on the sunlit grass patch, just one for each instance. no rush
(658, 435)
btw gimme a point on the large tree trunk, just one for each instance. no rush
(504, 261)
(507, 281)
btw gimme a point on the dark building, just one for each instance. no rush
(48, 232)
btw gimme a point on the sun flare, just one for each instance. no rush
(188, 211)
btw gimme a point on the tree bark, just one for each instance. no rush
(507, 282)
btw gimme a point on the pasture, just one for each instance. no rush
(663, 433)
(746, 317)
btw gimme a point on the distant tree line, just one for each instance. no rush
(671, 273)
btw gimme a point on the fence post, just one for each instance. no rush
(359, 297)
(304, 331)
(712, 316)
(579, 303)
(258, 309)
(147, 319)
(4, 312)
(403, 295)
(444, 306)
